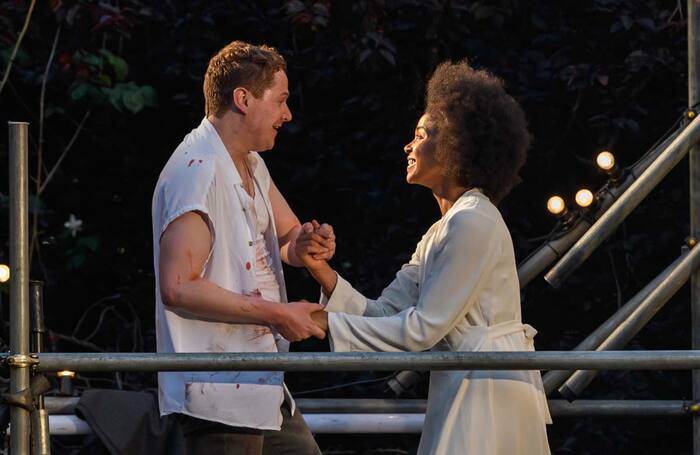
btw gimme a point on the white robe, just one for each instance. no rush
(459, 292)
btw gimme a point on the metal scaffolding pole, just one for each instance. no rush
(553, 249)
(361, 361)
(622, 316)
(19, 284)
(639, 317)
(694, 165)
(558, 408)
(617, 213)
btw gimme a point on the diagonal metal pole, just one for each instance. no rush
(694, 165)
(553, 379)
(19, 284)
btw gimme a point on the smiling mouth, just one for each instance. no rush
(411, 163)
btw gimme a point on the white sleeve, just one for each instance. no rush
(184, 186)
(399, 295)
(460, 262)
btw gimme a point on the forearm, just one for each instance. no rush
(203, 299)
(324, 276)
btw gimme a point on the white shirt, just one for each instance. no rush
(459, 292)
(200, 176)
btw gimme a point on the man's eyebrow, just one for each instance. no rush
(285, 94)
(422, 128)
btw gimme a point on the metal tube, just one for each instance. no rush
(558, 408)
(358, 361)
(554, 249)
(41, 438)
(646, 309)
(36, 315)
(327, 420)
(19, 279)
(553, 379)
(61, 405)
(694, 176)
(617, 213)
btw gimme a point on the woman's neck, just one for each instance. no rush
(447, 193)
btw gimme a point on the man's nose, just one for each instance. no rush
(287, 116)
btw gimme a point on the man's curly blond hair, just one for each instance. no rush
(239, 64)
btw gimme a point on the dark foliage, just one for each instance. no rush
(126, 81)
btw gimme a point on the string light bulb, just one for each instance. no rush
(65, 382)
(4, 273)
(605, 161)
(584, 198)
(556, 205)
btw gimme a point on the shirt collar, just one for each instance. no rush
(212, 136)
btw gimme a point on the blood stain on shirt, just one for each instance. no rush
(190, 163)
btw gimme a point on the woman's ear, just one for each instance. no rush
(241, 97)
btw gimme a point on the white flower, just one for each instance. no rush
(73, 224)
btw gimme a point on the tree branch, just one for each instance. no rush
(40, 148)
(8, 68)
(63, 154)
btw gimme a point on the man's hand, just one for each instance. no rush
(315, 244)
(295, 322)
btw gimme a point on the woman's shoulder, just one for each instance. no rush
(474, 216)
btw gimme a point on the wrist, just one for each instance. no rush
(272, 312)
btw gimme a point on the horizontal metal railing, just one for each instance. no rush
(380, 361)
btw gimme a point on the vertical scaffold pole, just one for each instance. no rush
(19, 284)
(694, 164)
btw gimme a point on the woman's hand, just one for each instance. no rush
(321, 319)
(315, 244)
(296, 321)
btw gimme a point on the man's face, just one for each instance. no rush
(268, 113)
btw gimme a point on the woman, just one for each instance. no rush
(460, 290)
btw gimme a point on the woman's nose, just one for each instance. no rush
(407, 148)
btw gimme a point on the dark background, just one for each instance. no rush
(593, 75)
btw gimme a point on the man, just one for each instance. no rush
(220, 231)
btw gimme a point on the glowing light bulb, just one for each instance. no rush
(4, 273)
(556, 205)
(605, 160)
(584, 197)
(66, 374)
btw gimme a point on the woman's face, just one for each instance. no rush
(423, 168)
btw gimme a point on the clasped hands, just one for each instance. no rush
(314, 246)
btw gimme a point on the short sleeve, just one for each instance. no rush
(184, 186)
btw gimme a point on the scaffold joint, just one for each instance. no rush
(21, 361)
(693, 408)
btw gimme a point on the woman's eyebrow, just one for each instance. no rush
(421, 128)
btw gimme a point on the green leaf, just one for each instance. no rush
(149, 95)
(133, 100)
(92, 60)
(118, 64)
(79, 92)
(115, 97)
(104, 79)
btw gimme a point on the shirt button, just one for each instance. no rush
(250, 243)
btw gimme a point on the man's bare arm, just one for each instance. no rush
(184, 248)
